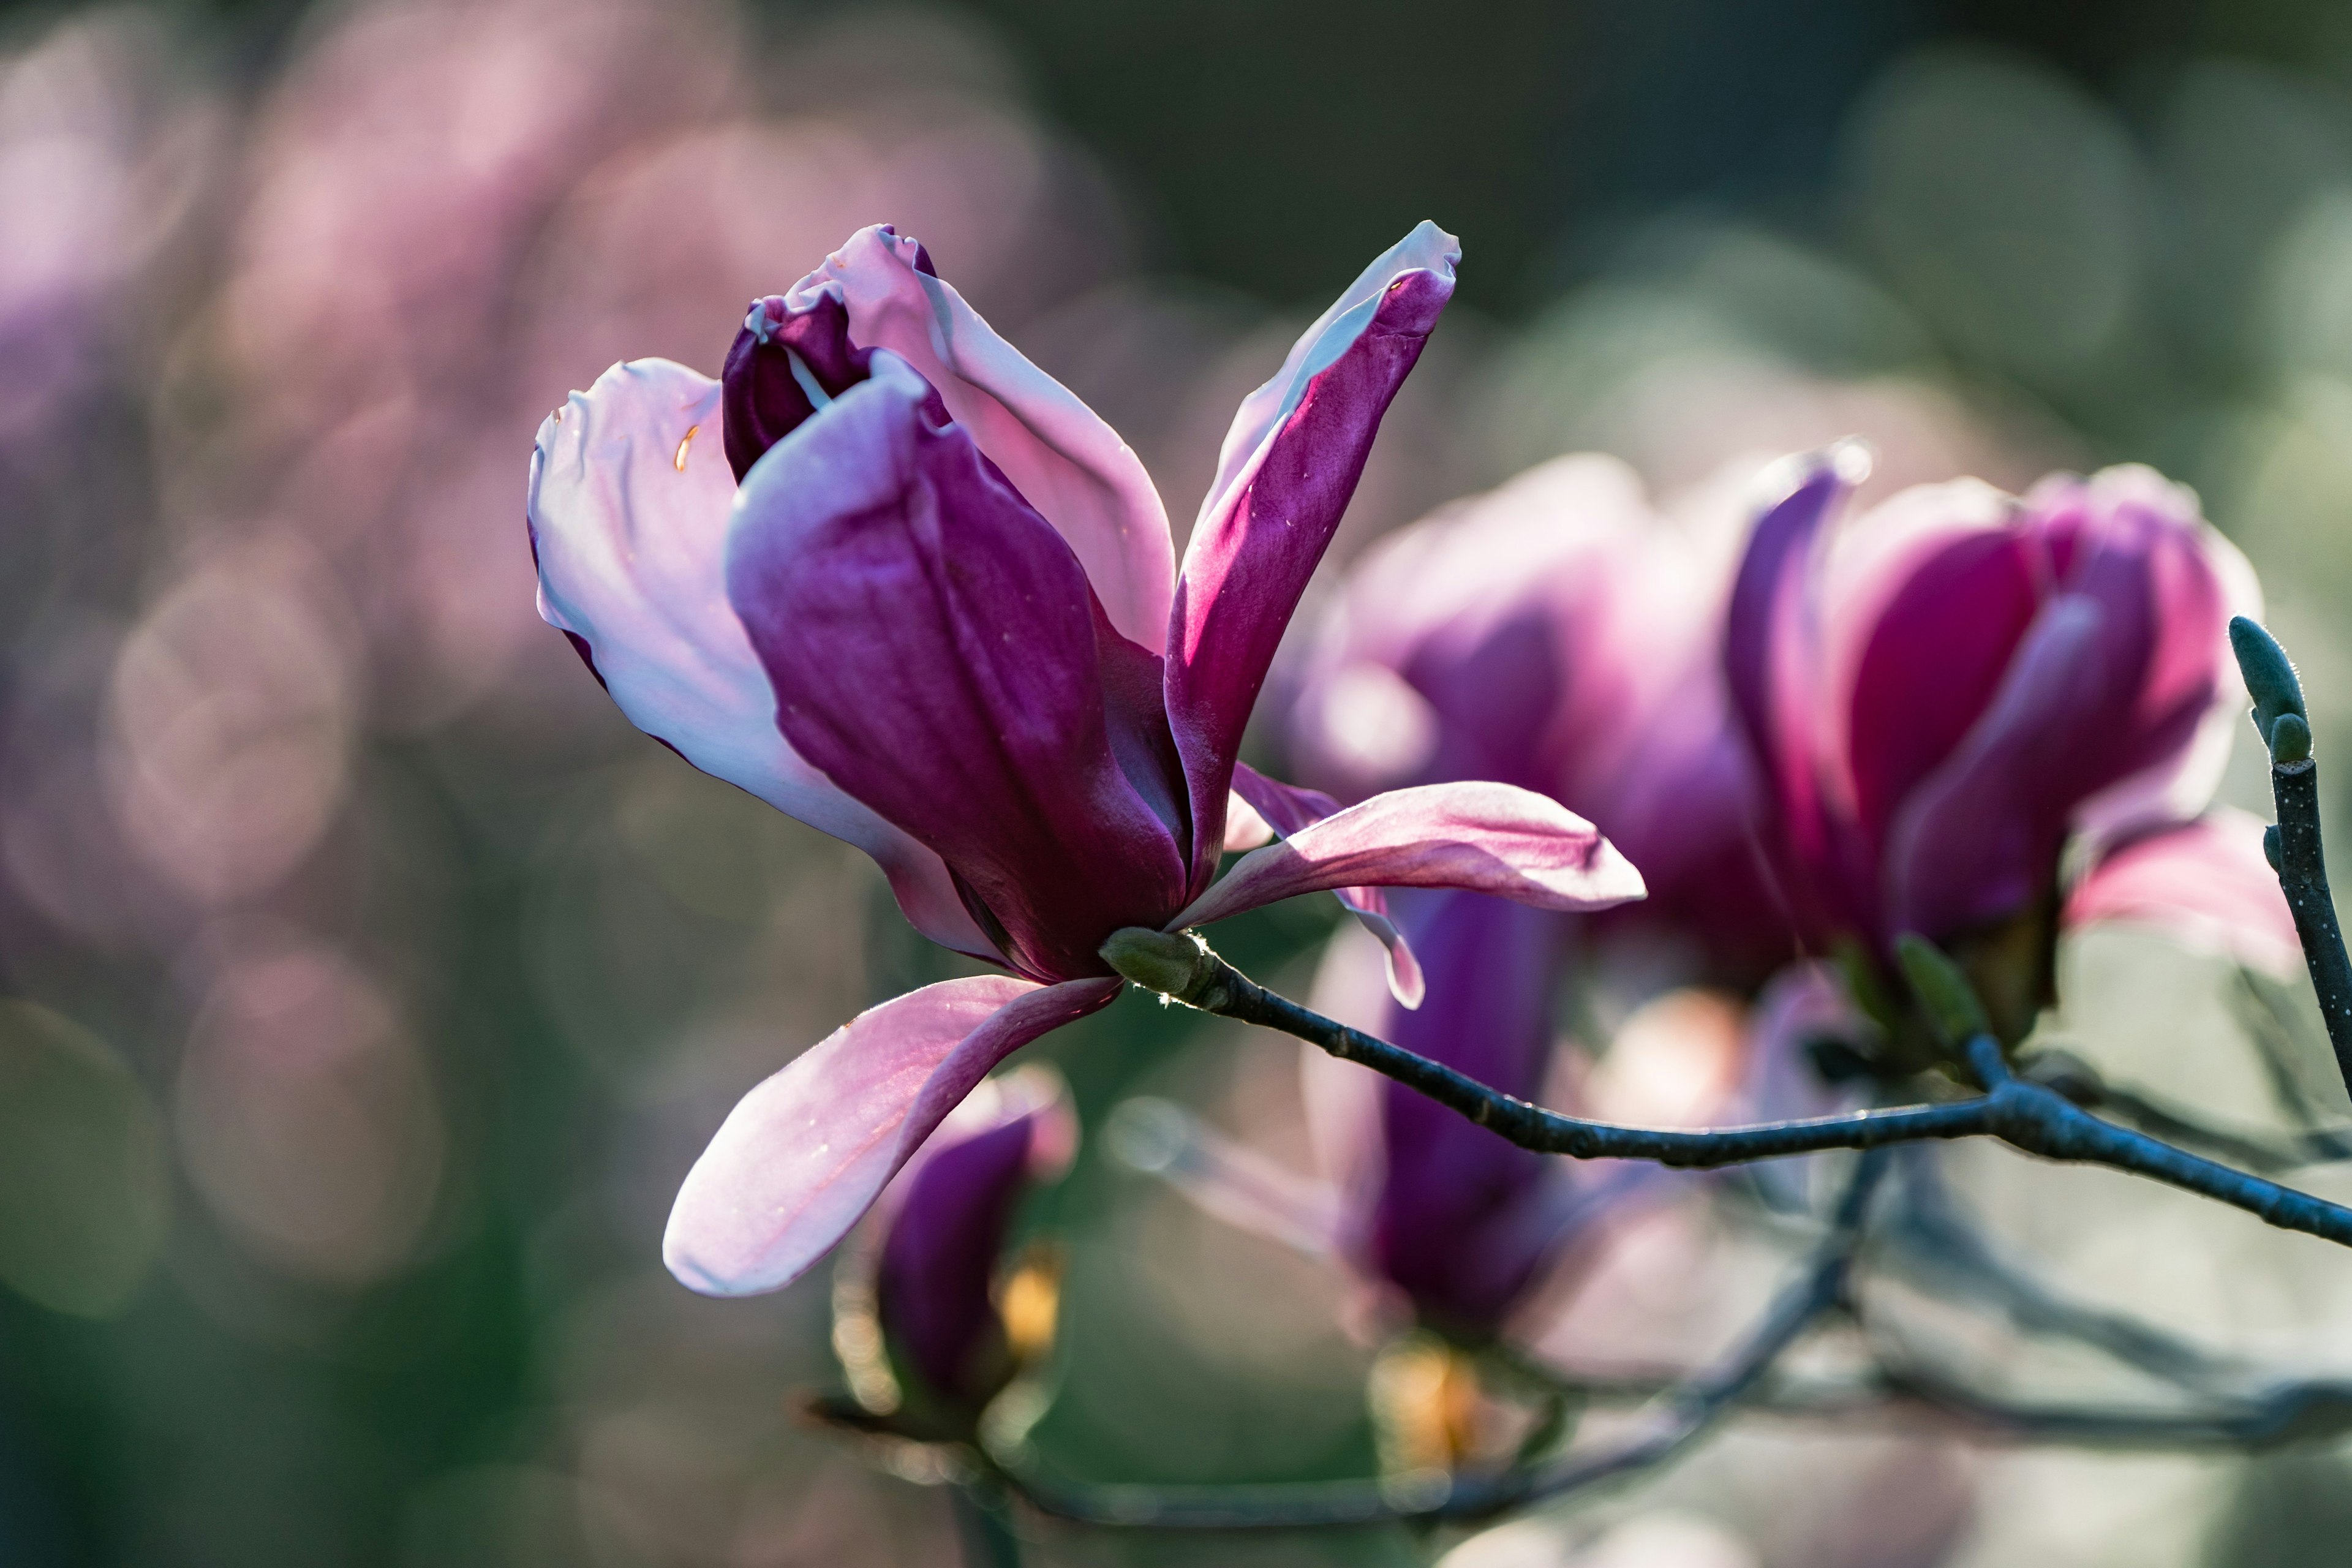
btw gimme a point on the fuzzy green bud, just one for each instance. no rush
(1171, 962)
(1945, 996)
(2270, 676)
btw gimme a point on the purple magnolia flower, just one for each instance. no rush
(944, 1224)
(1944, 696)
(1558, 634)
(895, 580)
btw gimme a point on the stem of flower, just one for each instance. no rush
(2026, 1115)
(2302, 866)
(982, 1527)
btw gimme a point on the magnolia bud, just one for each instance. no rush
(2270, 677)
(2290, 740)
(1171, 962)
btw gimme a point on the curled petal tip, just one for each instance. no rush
(2269, 675)
(1851, 459)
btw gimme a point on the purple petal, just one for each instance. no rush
(934, 650)
(1051, 446)
(1484, 838)
(1290, 464)
(2140, 547)
(1286, 808)
(1978, 839)
(628, 505)
(949, 1211)
(2204, 883)
(1767, 634)
(783, 363)
(1464, 1221)
(805, 1153)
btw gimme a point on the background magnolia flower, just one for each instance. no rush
(929, 1332)
(931, 621)
(1943, 695)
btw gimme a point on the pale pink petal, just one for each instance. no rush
(1245, 829)
(1284, 809)
(2205, 883)
(1229, 1180)
(1486, 837)
(1058, 452)
(628, 507)
(805, 1153)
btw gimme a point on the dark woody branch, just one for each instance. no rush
(2026, 1115)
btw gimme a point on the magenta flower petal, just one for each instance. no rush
(1051, 446)
(1978, 838)
(1289, 464)
(805, 1153)
(1484, 838)
(948, 1216)
(1463, 1221)
(783, 365)
(627, 512)
(1286, 808)
(2204, 883)
(934, 648)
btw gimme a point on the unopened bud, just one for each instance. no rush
(2270, 677)
(1944, 993)
(2290, 739)
(1169, 963)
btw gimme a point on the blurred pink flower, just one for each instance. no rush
(931, 622)
(1560, 633)
(1944, 695)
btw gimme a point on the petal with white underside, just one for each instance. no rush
(1288, 470)
(803, 1155)
(1485, 837)
(2204, 883)
(1057, 452)
(1284, 809)
(629, 501)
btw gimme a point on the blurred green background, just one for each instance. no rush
(372, 984)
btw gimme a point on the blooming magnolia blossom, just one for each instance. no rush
(1942, 697)
(895, 580)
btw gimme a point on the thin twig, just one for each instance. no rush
(2302, 866)
(1694, 1405)
(2025, 1115)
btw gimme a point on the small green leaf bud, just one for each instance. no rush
(1944, 993)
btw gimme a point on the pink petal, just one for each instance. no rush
(1979, 836)
(806, 1152)
(2204, 882)
(1289, 466)
(1058, 452)
(628, 507)
(1284, 809)
(934, 648)
(1487, 837)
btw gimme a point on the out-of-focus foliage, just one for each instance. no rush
(371, 984)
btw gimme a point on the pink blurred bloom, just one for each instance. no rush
(892, 578)
(1561, 634)
(1943, 696)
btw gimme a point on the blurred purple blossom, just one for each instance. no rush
(1945, 694)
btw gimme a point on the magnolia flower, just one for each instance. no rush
(895, 580)
(1943, 697)
(1560, 633)
(927, 1331)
